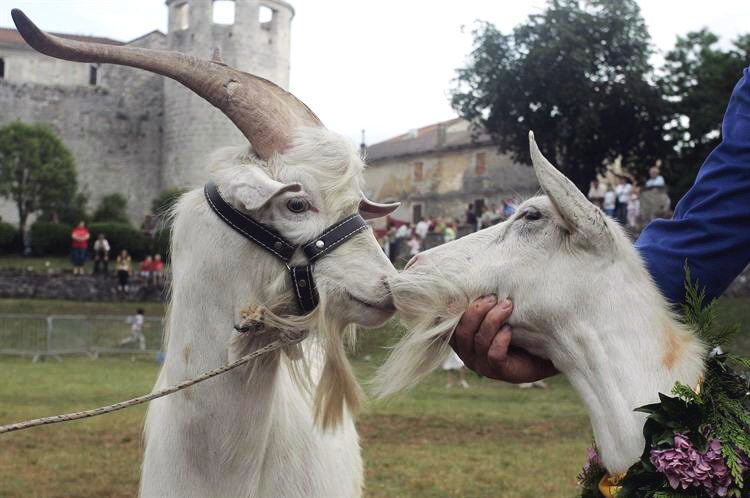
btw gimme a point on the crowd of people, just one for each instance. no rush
(151, 268)
(406, 239)
(623, 200)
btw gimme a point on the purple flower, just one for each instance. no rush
(685, 467)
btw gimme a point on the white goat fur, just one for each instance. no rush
(582, 298)
(253, 432)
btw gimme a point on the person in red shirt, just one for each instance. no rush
(147, 266)
(157, 269)
(79, 244)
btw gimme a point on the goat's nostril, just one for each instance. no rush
(411, 262)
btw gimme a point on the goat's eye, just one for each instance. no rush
(298, 205)
(532, 215)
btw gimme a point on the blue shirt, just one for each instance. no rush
(711, 223)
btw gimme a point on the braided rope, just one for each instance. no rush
(287, 340)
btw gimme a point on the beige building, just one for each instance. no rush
(436, 171)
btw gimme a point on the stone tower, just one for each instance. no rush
(257, 42)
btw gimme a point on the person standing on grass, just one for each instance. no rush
(101, 255)
(157, 269)
(79, 244)
(124, 269)
(136, 322)
(454, 364)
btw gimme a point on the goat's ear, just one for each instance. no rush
(581, 216)
(253, 188)
(370, 210)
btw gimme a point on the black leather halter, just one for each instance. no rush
(269, 239)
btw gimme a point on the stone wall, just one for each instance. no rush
(113, 131)
(20, 284)
(26, 66)
(450, 181)
(193, 129)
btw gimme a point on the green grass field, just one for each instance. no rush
(492, 440)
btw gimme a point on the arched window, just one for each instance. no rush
(265, 16)
(223, 12)
(2, 68)
(93, 75)
(182, 16)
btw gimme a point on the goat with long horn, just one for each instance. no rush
(281, 225)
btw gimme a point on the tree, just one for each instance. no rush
(577, 74)
(37, 171)
(112, 208)
(697, 79)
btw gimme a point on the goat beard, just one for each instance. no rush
(430, 305)
(337, 390)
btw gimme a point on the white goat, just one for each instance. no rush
(253, 432)
(581, 298)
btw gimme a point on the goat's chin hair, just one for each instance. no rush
(430, 305)
(337, 390)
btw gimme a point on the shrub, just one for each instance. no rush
(48, 239)
(122, 236)
(112, 208)
(9, 238)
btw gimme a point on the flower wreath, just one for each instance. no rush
(697, 440)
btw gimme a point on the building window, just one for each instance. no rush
(223, 12)
(480, 163)
(418, 171)
(182, 16)
(265, 16)
(2, 69)
(416, 213)
(93, 75)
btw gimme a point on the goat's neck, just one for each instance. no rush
(621, 359)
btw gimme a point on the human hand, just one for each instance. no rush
(482, 341)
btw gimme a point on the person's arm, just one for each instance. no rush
(710, 228)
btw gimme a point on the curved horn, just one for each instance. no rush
(265, 113)
(370, 210)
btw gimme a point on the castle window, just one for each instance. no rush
(223, 12)
(182, 16)
(418, 171)
(265, 17)
(2, 68)
(480, 164)
(93, 75)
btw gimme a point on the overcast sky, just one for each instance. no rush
(381, 65)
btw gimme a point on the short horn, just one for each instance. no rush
(581, 215)
(265, 113)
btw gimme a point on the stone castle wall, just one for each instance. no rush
(113, 131)
(134, 132)
(193, 129)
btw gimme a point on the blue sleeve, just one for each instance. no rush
(711, 223)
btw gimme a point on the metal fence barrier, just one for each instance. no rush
(41, 336)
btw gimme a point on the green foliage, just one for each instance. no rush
(113, 209)
(122, 236)
(696, 80)
(50, 238)
(578, 74)
(37, 171)
(165, 200)
(70, 214)
(9, 238)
